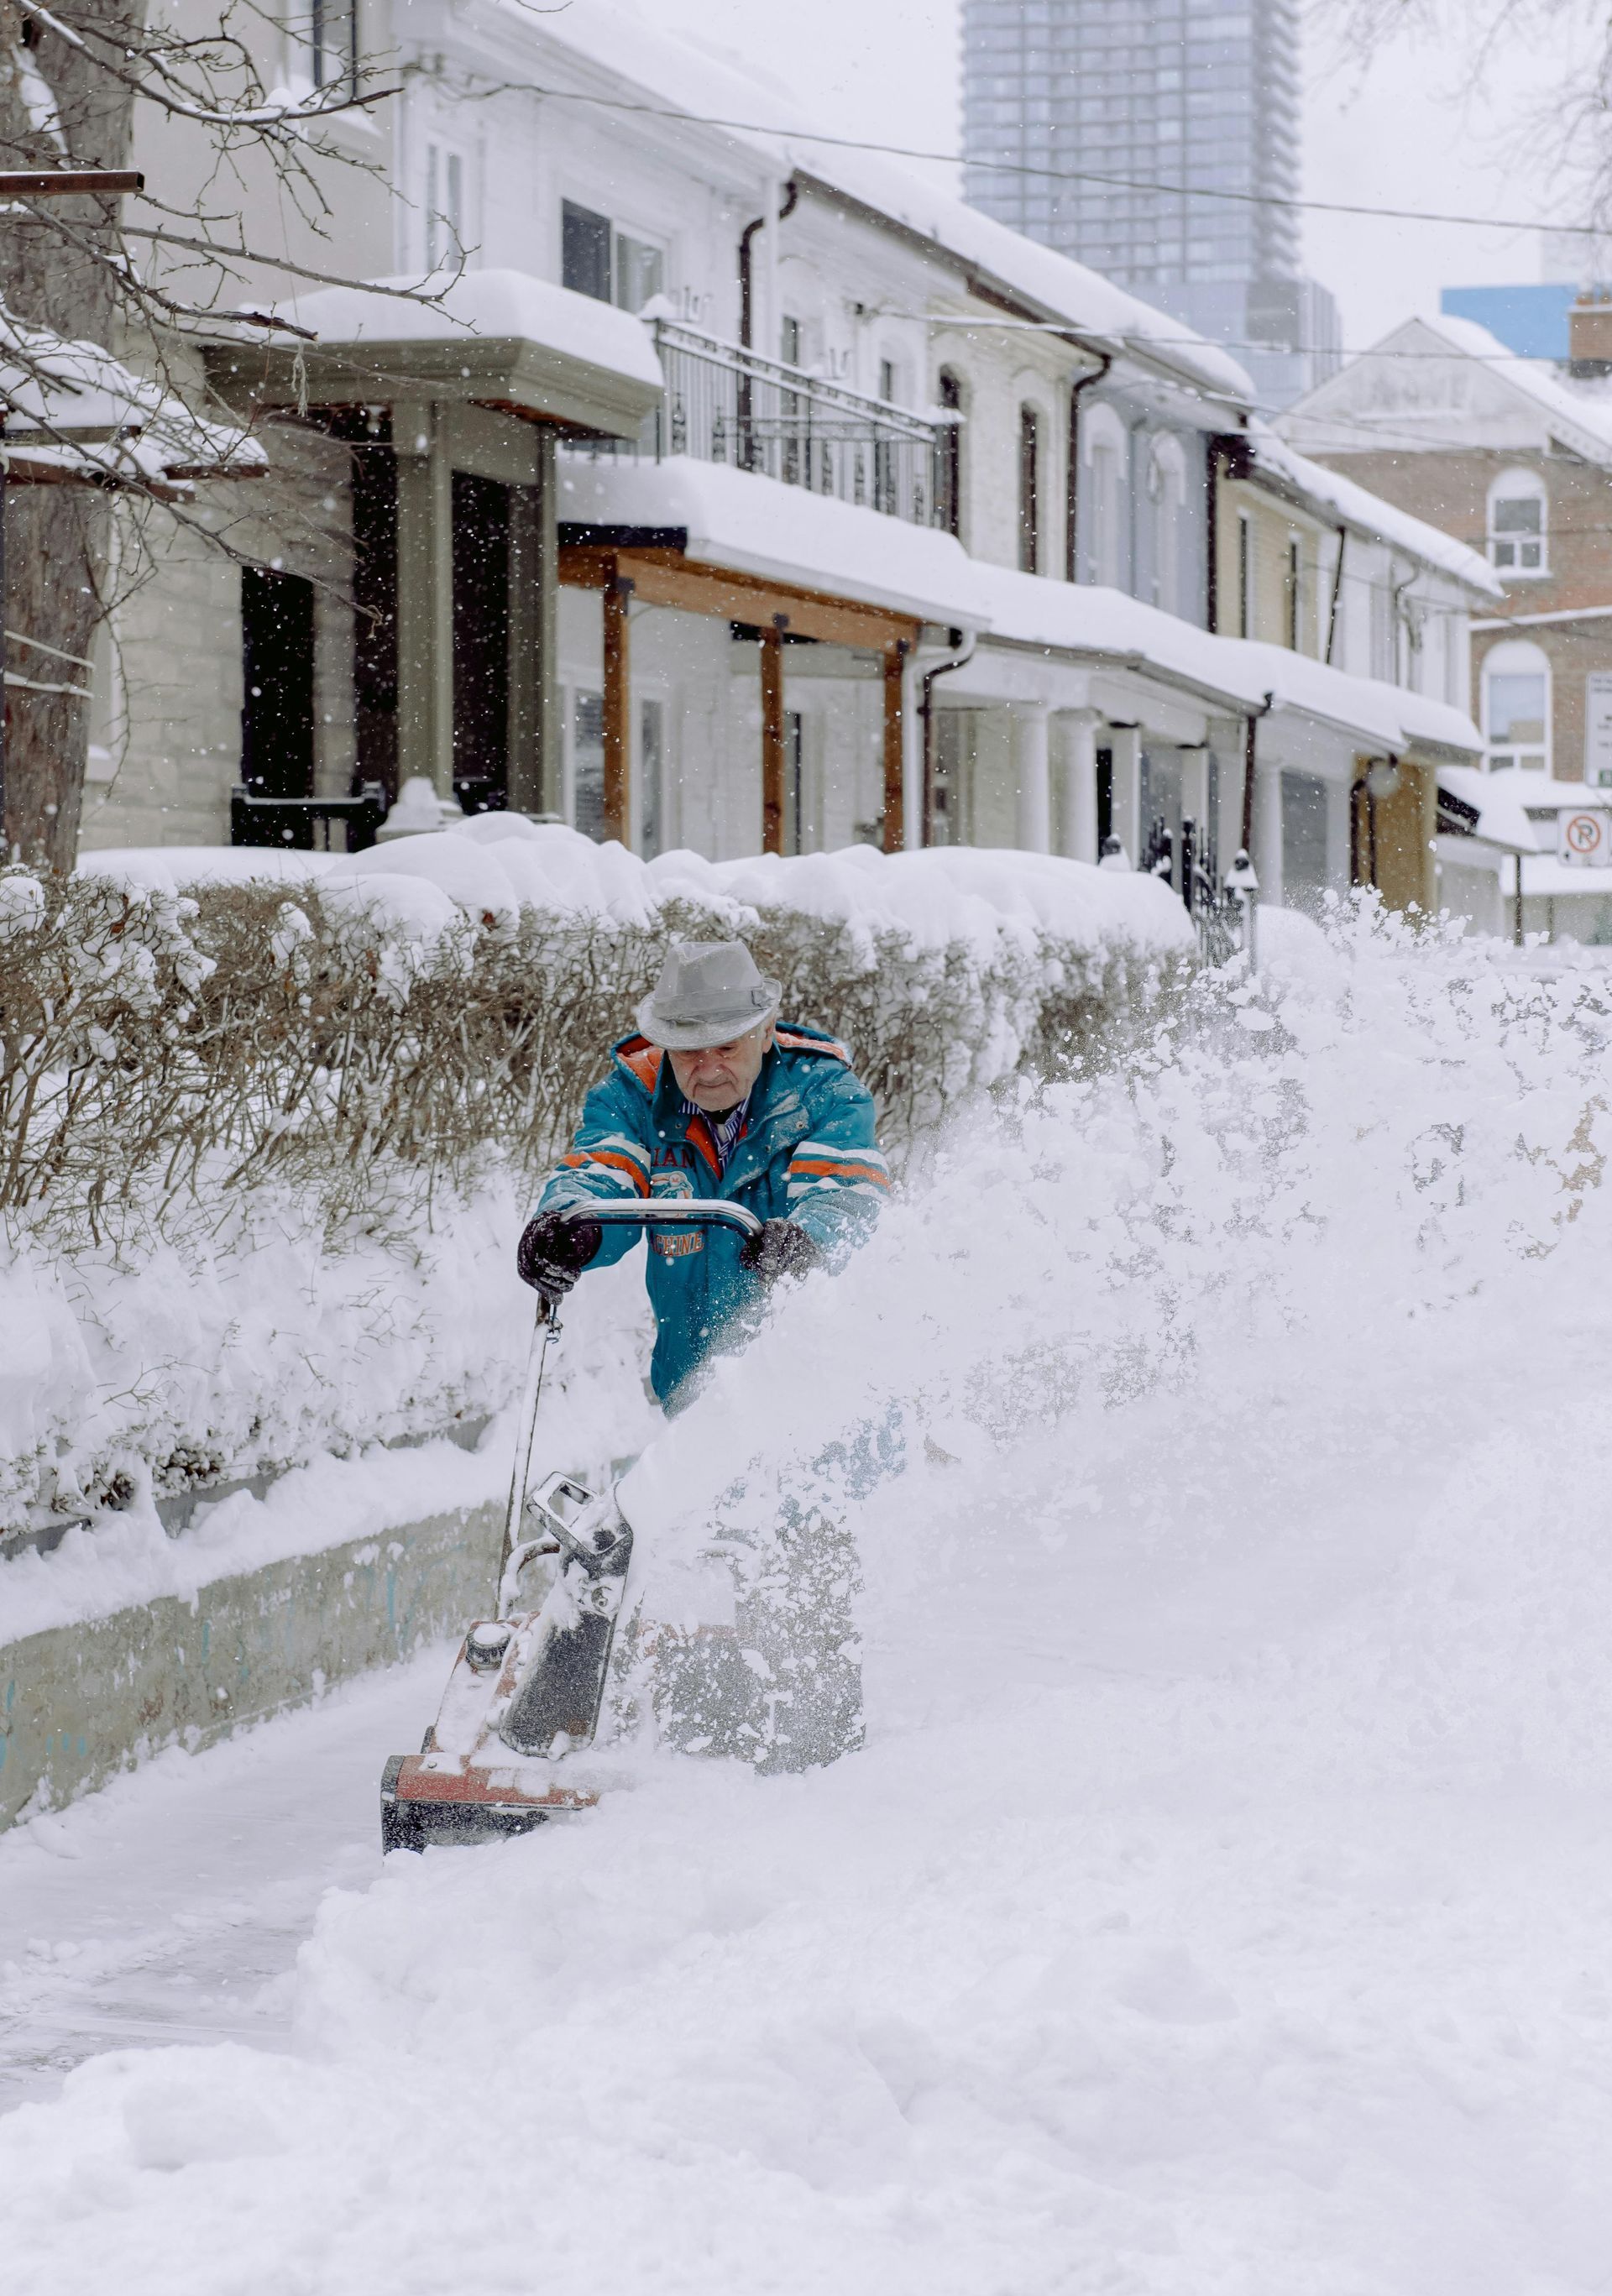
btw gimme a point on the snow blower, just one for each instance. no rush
(527, 1685)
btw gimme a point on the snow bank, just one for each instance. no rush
(1219, 1902)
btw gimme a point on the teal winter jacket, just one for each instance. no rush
(810, 1152)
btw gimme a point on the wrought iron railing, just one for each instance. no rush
(1218, 915)
(724, 403)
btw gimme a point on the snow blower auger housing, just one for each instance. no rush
(527, 1686)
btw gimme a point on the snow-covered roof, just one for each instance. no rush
(502, 305)
(1590, 417)
(1071, 618)
(684, 72)
(498, 337)
(74, 411)
(1519, 812)
(755, 525)
(1368, 514)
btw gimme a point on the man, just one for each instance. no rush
(714, 1096)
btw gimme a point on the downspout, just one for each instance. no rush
(926, 719)
(1071, 488)
(792, 196)
(1337, 587)
(1212, 524)
(1250, 759)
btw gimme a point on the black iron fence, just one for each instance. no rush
(724, 403)
(289, 823)
(1219, 914)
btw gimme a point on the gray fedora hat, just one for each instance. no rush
(709, 992)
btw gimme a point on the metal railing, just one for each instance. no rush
(287, 822)
(724, 403)
(1219, 916)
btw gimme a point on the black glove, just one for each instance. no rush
(553, 1251)
(780, 1247)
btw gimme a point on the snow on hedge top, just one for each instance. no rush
(490, 865)
(756, 525)
(495, 305)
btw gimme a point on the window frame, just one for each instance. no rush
(1520, 484)
(1516, 658)
(1030, 489)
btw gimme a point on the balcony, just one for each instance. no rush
(724, 403)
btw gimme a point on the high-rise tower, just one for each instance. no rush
(1173, 98)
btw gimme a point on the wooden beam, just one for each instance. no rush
(774, 731)
(895, 826)
(618, 712)
(665, 577)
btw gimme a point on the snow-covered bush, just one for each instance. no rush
(350, 1045)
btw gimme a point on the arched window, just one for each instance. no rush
(1030, 491)
(1105, 451)
(1167, 495)
(1519, 524)
(1517, 708)
(948, 457)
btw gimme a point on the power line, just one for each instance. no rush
(1020, 168)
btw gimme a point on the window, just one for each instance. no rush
(1167, 490)
(332, 39)
(612, 265)
(948, 451)
(1104, 446)
(1245, 574)
(1294, 592)
(789, 341)
(1030, 491)
(1517, 708)
(444, 208)
(587, 765)
(1519, 524)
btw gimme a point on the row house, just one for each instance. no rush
(730, 490)
(1512, 458)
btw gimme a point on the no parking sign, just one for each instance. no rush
(1581, 840)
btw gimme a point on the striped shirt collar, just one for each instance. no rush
(726, 1131)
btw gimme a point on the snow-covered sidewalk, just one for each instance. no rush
(1219, 1908)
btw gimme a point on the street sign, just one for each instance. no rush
(1598, 729)
(1583, 841)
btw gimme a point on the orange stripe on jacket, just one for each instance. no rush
(850, 1170)
(612, 1156)
(794, 1042)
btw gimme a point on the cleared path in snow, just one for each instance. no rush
(170, 1906)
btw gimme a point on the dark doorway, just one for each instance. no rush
(1105, 795)
(277, 701)
(481, 643)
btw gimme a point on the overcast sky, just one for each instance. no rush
(1406, 133)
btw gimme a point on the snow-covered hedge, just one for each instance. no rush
(364, 1032)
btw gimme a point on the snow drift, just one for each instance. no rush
(1219, 1903)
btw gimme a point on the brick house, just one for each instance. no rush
(1514, 457)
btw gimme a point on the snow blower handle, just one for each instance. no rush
(669, 1211)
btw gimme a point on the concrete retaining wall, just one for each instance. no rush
(81, 1703)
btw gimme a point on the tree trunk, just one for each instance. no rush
(57, 537)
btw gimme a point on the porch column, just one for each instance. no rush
(772, 736)
(1076, 771)
(1268, 833)
(617, 602)
(1125, 747)
(1032, 775)
(424, 597)
(895, 745)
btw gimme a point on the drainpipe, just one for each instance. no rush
(926, 719)
(792, 196)
(1072, 512)
(1250, 759)
(1337, 587)
(1211, 530)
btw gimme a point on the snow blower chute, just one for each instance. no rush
(527, 1686)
